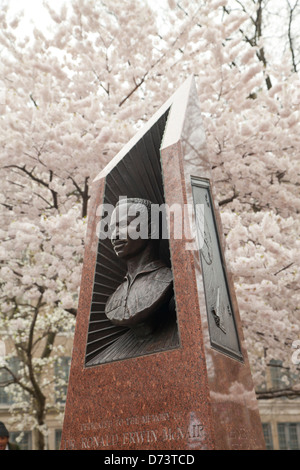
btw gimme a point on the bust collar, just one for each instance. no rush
(147, 268)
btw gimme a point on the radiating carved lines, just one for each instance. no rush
(138, 174)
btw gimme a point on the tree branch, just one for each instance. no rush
(83, 193)
(15, 380)
(292, 9)
(257, 22)
(37, 180)
(138, 84)
(229, 199)
(72, 311)
(133, 90)
(48, 346)
(37, 391)
(283, 269)
(273, 393)
(34, 102)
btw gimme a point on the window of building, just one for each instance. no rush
(26, 440)
(268, 436)
(6, 396)
(280, 376)
(263, 382)
(61, 371)
(58, 433)
(289, 436)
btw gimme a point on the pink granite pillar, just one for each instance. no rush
(192, 396)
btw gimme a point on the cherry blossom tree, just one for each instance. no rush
(73, 94)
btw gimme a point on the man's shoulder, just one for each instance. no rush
(163, 273)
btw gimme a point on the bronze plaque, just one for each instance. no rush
(221, 321)
(137, 176)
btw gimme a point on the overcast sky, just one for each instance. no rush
(34, 12)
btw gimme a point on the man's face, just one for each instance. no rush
(3, 442)
(125, 231)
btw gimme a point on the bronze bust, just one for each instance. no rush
(144, 301)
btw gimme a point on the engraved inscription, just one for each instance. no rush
(165, 427)
(221, 321)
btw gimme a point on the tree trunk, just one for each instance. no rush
(40, 416)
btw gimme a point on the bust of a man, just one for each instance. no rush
(142, 301)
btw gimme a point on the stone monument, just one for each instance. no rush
(159, 361)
